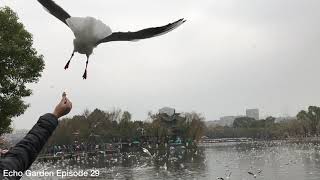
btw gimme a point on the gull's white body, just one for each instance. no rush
(87, 31)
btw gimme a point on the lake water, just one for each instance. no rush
(264, 160)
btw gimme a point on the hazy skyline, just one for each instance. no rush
(230, 55)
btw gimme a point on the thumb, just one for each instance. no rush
(63, 100)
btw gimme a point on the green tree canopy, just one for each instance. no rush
(243, 122)
(310, 119)
(19, 64)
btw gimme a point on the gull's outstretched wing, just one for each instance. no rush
(55, 10)
(142, 34)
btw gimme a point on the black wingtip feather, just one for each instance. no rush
(55, 10)
(144, 33)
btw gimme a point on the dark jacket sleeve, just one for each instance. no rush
(24, 153)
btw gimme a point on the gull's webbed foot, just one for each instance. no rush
(84, 76)
(67, 65)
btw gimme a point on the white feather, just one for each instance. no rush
(88, 29)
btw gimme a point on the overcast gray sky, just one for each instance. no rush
(229, 56)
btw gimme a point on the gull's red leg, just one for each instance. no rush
(67, 65)
(85, 71)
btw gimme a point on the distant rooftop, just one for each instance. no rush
(167, 110)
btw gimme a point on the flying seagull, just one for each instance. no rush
(90, 32)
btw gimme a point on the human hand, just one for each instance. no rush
(64, 107)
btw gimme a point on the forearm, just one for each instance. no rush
(24, 153)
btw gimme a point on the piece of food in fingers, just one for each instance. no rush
(64, 96)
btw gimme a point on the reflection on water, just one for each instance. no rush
(260, 160)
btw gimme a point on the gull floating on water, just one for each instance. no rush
(227, 176)
(251, 173)
(147, 151)
(90, 32)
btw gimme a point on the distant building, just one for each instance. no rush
(227, 120)
(224, 121)
(253, 113)
(170, 118)
(167, 110)
(284, 119)
(211, 123)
